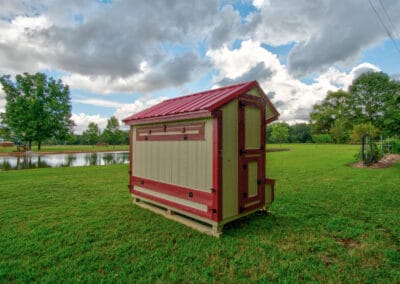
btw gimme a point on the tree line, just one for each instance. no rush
(38, 109)
(111, 135)
(370, 105)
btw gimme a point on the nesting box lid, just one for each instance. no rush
(196, 105)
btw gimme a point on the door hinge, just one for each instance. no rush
(260, 181)
(244, 194)
(244, 167)
(241, 152)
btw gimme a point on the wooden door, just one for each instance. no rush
(251, 153)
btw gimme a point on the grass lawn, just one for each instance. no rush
(329, 223)
(70, 148)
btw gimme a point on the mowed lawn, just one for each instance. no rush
(329, 223)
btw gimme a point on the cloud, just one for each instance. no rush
(324, 32)
(227, 27)
(99, 102)
(138, 105)
(82, 121)
(122, 111)
(258, 71)
(177, 71)
(109, 42)
(102, 47)
(293, 98)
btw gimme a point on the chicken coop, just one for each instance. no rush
(200, 159)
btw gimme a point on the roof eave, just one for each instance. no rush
(169, 118)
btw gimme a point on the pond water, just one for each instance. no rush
(33, 161)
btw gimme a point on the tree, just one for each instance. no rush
(364, 128)
(340, 130)
(112, 134)
(391, 117)
(280, 132)
(334, 106)
(37, 108)
(300, 133)
(92, 134)
(375, 98)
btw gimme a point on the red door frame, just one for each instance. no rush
(247, 155)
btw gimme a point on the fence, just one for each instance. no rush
(388, 145)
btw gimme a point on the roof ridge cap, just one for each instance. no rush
(210, 90)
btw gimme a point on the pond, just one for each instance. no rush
(33, 161)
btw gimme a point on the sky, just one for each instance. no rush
(121, 56)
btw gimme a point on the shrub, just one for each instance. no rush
(372, 156)
(322, 138)
(360, 129)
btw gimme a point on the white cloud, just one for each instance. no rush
(82, 121)
(293, 98)
(99, 102)
(18, 51)
(106, 44)
(138, 105)
(259, 3)
(325, 33)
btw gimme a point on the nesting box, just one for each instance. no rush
(200, 159)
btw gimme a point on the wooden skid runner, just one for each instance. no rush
(195, 222)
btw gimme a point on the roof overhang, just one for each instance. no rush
(169, 118)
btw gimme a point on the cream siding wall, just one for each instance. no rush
(183, 163)
(229, 160)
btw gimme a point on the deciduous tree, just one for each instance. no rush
(37, 108)
(92, 134)
(280, 132)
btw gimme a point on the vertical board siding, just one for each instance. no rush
(184, 163)
(252, 128)
(229, 159)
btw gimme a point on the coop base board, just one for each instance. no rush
(200, 224)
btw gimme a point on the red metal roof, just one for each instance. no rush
(194, 105)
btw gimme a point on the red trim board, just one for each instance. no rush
(174, 132)
(217, 165)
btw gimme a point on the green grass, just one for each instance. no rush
(70, 148)
(329, 223)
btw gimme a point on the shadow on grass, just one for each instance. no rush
(258, 224)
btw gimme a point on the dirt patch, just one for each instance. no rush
(349, 243)
(387, 161)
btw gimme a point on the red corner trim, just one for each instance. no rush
(130, 151)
